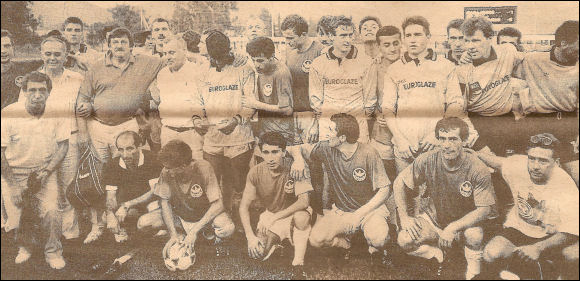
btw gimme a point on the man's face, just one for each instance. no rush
(254, 29)
(342, 41)
(570, 51)
(368, 30)
(175, 172)
(324, 38)
(450, 143)
(128, 150)
(272, 155)
(36, 95)
(390, 47)
(292, 40)
(540, 164)
(455, 39)
(7, 49)
(73, 33)
(160, 32)
(120, 47)
(53, 54)
(415, 39)
(504, 39)
(333, 139)
(477, 45)
(149, 42)
(175, 55)
(263, 64)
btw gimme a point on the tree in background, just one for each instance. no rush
(266, 17)
(202, 15)
(127, 16)
(19, 20)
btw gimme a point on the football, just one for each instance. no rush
(176, 256)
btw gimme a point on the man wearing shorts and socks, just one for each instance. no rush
(544, 221)
(462, 199)
(287, 214)
(357, 190)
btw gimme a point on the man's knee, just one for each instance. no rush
(301, 220)
(474, 237)
(223, 226)
(376, 232)
(319, 237)
(570, 253)
(405, 241)
(497, 248)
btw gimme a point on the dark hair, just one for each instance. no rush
(325, 24)
(471, 25)
(159, 20)
(218, 48)
(56, 38)
(568, 32)
(295, 22)
(272, 138)
(74, 20)
(368, 18)
(554, 146)
(36, 76)
(259, 46)
(136, 138)
(450, 123)
(511, 32)
(455, 24)
(141, 37)
(54, 32)
(6, 33)
(388, 30)
(120, 32)
(341, 21)
(418, 20)
(192, 39)
(346, 125)
(175, 153)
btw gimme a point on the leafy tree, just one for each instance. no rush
(266, 18)
(17, 18)
(127, 16)
(202, 15)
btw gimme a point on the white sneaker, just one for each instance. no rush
(23, 255)
(93, 235)
(56, 262)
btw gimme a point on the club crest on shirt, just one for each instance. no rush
(289, 186)
(466, 189)
(195, 191)
(18, 81)
(306, 66)
(267, 90)
(359, 174)
(531, 210)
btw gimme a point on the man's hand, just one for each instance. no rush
(228, 127)
(411, 226)
(190, 239)
(407, 150)
(428, 144)
(378, 59)
(17, 198)
(446, 237)
(382, 122)
(265, 223)
(84, 110)
(240, 59)
(465, 58)
(43, 175)
(313, 133)
(249, 102)
(354, 221)
(473, 136)
(255, 247)
(528, 253)
(299, 170)
(121, 213)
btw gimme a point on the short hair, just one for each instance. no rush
(6, 33)
(120, 32)
(136, 138)
(568, 32)
(511, 32)
(368, 18)
(450, 123)
(455, 24)
(192, 39)
(471, 25)
(295, 22)
(261, 45)
(325, 24)
(418, 20)
(54, 32)
(159, 20)
(272, 138)
(141, 37)
(180, 42)
(341, 21)
(74, 20)
(218, 45)
(36, 76)
(56, 38)
(554, 145)
(346, 125)
(176, 153)
(388, 30)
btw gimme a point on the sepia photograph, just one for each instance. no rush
(302, 140)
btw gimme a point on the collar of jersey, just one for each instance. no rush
(141, 161)
(492, 56)
(109, 59)
(352, 54)
(430, 56)
(554, 59)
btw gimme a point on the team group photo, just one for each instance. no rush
(289, 140)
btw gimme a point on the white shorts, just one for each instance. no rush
(283, 227)
(385, 151)
(337, 219)
(190, 137)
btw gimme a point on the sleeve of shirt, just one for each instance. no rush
(455, 103)
(369, 81)
(5, 128)
(414, 175)
(212, 191)
(390, 94)
(483, 192)
(379, 177)
(162, 188)
(302, 186)
(509, 168)
(317, 153)
(86, 92)
(63, 129)
(284, 88)
(316, 88)
(248, 83)
(568, 206)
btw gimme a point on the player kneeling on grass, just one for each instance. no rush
(459, 186)
(190, 198)
(287, 200)
(358, 188)
(544, 221)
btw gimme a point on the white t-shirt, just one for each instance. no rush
(178, 95)
(540, 210)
